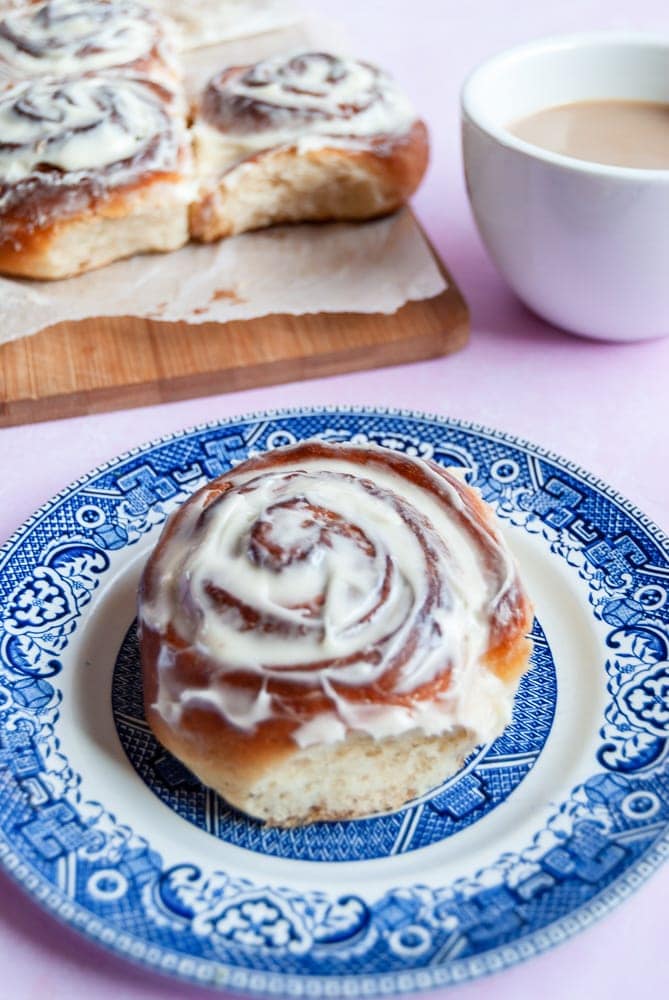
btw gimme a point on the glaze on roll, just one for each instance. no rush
(62, 38)
(313, 98)
(305, 136)
(322, 604)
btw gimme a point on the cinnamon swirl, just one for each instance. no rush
(62, 38)
(305, 137)
(326, 631)
(91, 169)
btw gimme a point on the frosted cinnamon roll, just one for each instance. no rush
(327, 631)
(305, 137)
(91, 169)
(62, 38)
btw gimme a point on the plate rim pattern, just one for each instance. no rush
(394, 982)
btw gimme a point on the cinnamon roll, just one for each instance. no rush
(91, 169)
(62, 38)
(306, 137)
(327, 630)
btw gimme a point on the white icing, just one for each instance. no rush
(79, 126)
(240, 708)
(374, 106)
(477, 700)
(355, 92)
(324, 728)
(349, 575)
(64, 37)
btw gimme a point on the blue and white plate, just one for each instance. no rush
(540, 833)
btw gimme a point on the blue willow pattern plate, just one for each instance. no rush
(113, 835)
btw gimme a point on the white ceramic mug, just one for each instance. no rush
(585, 245)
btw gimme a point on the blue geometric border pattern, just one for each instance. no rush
(103, 878)
(487, 777)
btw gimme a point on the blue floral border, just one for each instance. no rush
(488, 777)
(610, 833)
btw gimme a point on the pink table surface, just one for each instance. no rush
(603, 405)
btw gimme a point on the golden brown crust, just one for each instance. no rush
(340, 184)
(510, 650)
(42, 252)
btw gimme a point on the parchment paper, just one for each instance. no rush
(204, 22)
(370, 267)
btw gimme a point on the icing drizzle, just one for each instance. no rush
(308, 99)
(63, 37)
(339, 588)
(69, 128)
(316, 90)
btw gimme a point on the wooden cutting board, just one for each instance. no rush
(94, 365)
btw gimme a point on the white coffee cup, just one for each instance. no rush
(585, 245)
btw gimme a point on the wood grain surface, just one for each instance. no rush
(111, 363)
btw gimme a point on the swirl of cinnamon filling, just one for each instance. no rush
(337, 586)
(310, 93)
(72, 141)
(64, 37)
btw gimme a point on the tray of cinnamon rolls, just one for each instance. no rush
(103, 154)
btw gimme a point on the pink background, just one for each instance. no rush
(604, 406)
